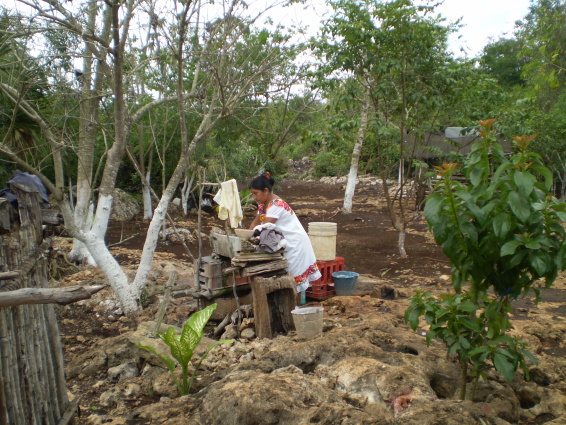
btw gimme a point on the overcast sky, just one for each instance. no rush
(482, 19)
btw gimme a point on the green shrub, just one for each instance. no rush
(502, 231)
(331, 164)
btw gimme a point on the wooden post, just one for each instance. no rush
(273, 300)
(165, 302)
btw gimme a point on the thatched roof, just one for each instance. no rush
(438, 145)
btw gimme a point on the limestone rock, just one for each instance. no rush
(126, 370)
(124, 206)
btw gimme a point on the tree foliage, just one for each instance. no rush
(503, 230)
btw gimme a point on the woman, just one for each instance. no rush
(299, 252)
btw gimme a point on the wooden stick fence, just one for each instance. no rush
(32, 379)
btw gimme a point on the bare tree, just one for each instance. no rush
(224, 63)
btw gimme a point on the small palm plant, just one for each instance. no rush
(182, 347)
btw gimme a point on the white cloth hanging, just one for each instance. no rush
(230, 205)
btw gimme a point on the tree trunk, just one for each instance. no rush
(402, 233)
(91, 82)
(65, 295)
(185, 193)
(353, 175)
(147, 206)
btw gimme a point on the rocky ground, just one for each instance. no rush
(367, 367)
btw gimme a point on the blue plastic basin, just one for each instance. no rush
(344, 282)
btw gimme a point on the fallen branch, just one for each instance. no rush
(222, 325)
(70, 411)
(174, 289)
(48, 295)
(123, 240)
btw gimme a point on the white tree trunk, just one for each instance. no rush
(353, 174)
(185, 192)
(158, 219)
(147, 207)
(116, 277)
(80, 252)
(401, 244)
(89, 111)
(150, 244)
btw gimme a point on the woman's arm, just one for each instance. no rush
(255, 222)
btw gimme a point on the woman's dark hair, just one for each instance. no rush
(265, 181)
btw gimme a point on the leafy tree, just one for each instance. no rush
(397, 53)
(544, 33)
(503, 230)
(501, 59)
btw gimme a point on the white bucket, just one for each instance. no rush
(308, 321)
(323, 240)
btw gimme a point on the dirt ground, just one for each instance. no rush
(366, 240)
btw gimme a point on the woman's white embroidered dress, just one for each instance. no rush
(299, 252)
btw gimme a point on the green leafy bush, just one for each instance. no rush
(502, 232)
(473, 331)
(331, 164)
(182, 347)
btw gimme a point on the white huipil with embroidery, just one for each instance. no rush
(299, 252)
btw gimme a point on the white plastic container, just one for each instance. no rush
(308, 321)
(323, 240)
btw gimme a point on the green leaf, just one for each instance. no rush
(468, 306)
(519, 205)
(464, 343)
(199, 319)
(429, 336)
(454, 348)
(530, 356)
(525, 182)
(502, 224)
(538, 262)
(476, 176)
(414, 318)
(531, 244)
(432, 207)
(477, 350)
(470, 324)
(545, 173)
(510, 247)
(504, 366)
(165, 359)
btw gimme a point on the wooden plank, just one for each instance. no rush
(52, 217)
(265, 268)
(9, 219)
(257, 256)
